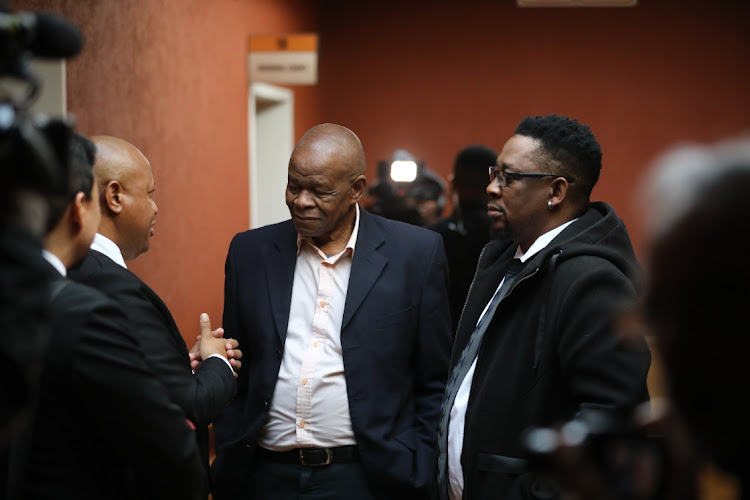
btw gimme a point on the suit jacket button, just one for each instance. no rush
(278, 353)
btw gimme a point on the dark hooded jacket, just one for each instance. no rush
(550, 353)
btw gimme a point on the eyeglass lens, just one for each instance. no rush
(497, 175)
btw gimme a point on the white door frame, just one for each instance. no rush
(271, 130)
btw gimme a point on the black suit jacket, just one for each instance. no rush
(200, 395)
(104, 426)
(395, 338)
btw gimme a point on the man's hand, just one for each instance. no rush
(195, 354)
(213, 345)
(234, 354)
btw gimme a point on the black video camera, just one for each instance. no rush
(34, 150)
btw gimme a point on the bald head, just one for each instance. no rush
(329, 140)
(126, 187)
(116, 159)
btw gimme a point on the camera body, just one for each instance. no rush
(34, 150)
(34, 154)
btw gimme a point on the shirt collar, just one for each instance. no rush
(541, 242)
(349, 245)
(109, 248)
(55, 262)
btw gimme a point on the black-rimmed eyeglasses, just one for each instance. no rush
(502, 176)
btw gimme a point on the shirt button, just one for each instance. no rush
(315, 344)
(322, 303)
(304, 381)
(302, 425)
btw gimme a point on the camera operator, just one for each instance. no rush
(33, 170)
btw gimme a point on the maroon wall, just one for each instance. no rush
(427, 76)
(434, 76)
(170, 77)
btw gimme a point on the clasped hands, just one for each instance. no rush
(213, 342)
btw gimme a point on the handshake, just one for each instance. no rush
(210, 343)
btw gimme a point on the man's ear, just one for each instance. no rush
(559, 190)
(76, 211)
(358, 187)
(113, 197)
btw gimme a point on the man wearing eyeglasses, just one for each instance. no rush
(535, 344)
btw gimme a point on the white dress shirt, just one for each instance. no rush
(55, 262)
(109, 248)
(458, 411)
(310, 406)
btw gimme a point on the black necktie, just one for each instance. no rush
(461, 369)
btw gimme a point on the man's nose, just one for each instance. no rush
(494, 190)
(304, 199)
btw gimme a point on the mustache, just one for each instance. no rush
(495, 206)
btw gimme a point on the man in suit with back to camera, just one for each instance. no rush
(345, 318)
(104, 426)
(535, 344)
(126, 187)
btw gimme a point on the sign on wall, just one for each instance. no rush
(290, 59)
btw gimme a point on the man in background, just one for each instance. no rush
(347, 316)
(426, 194)
(126, 188)
(466, 231)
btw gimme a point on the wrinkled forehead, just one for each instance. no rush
(324, 160)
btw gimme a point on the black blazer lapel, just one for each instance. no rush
(164, 310)
(367, 265)
(279, 279)
(97, 262)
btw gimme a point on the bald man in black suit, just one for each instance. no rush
(104, 426)
(126, 187)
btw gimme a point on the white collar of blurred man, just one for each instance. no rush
(55, 262)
